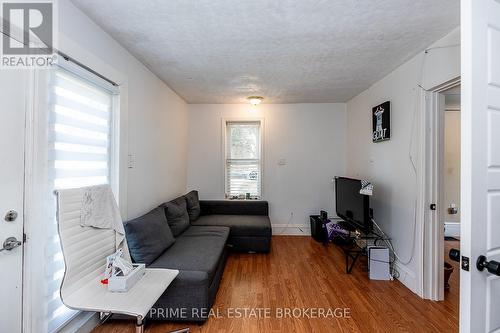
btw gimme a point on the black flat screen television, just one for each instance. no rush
(351, 206)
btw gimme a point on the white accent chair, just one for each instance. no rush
(85, 250)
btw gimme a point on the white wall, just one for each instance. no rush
(311, 137)
(387, 163)
(451, 167)
(153, 119)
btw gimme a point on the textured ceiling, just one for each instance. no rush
(289, 51)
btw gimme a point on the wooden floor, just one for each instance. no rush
(300, 273)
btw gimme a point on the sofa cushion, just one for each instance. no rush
(177, 215)
(197, 249)
(241, 225)
(207, 231)
(148, 236)
(193, 205)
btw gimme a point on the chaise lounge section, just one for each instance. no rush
(196, 238)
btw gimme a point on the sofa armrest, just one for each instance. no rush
(234, 207)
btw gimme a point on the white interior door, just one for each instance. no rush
(480, 194)
(13, 84)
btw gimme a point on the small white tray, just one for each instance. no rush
(124, 283)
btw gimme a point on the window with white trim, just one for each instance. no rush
(80, 127)
(243, 159)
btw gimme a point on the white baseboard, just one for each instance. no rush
(295, 229)
(291, 230)
(84, 322)
(406, 277)
(452, 229)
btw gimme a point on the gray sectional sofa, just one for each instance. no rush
(196, 237)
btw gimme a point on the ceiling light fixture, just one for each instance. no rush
(255, 100)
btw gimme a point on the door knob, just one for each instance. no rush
(454, 255)
(492, 266)
(11, 243)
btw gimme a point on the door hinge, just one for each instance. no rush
(24, 237)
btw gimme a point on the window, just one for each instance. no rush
(80, 132)
(243, 167)
(78, 149)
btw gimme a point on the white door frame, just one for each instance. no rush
(30, 138)
(432, 146)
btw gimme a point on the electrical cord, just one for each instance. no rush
(441, 47)
(394, 273)
(410, 147)
(287, 225)
(413, 164)
(386, 239)
(384, 236)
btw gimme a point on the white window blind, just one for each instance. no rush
(79, 146)
(243, 158)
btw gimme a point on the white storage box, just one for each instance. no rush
(379, 263)
(124, 283)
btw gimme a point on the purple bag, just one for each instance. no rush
(334, 230)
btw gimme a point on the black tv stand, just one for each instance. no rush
(352, 252)
(351, 248)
